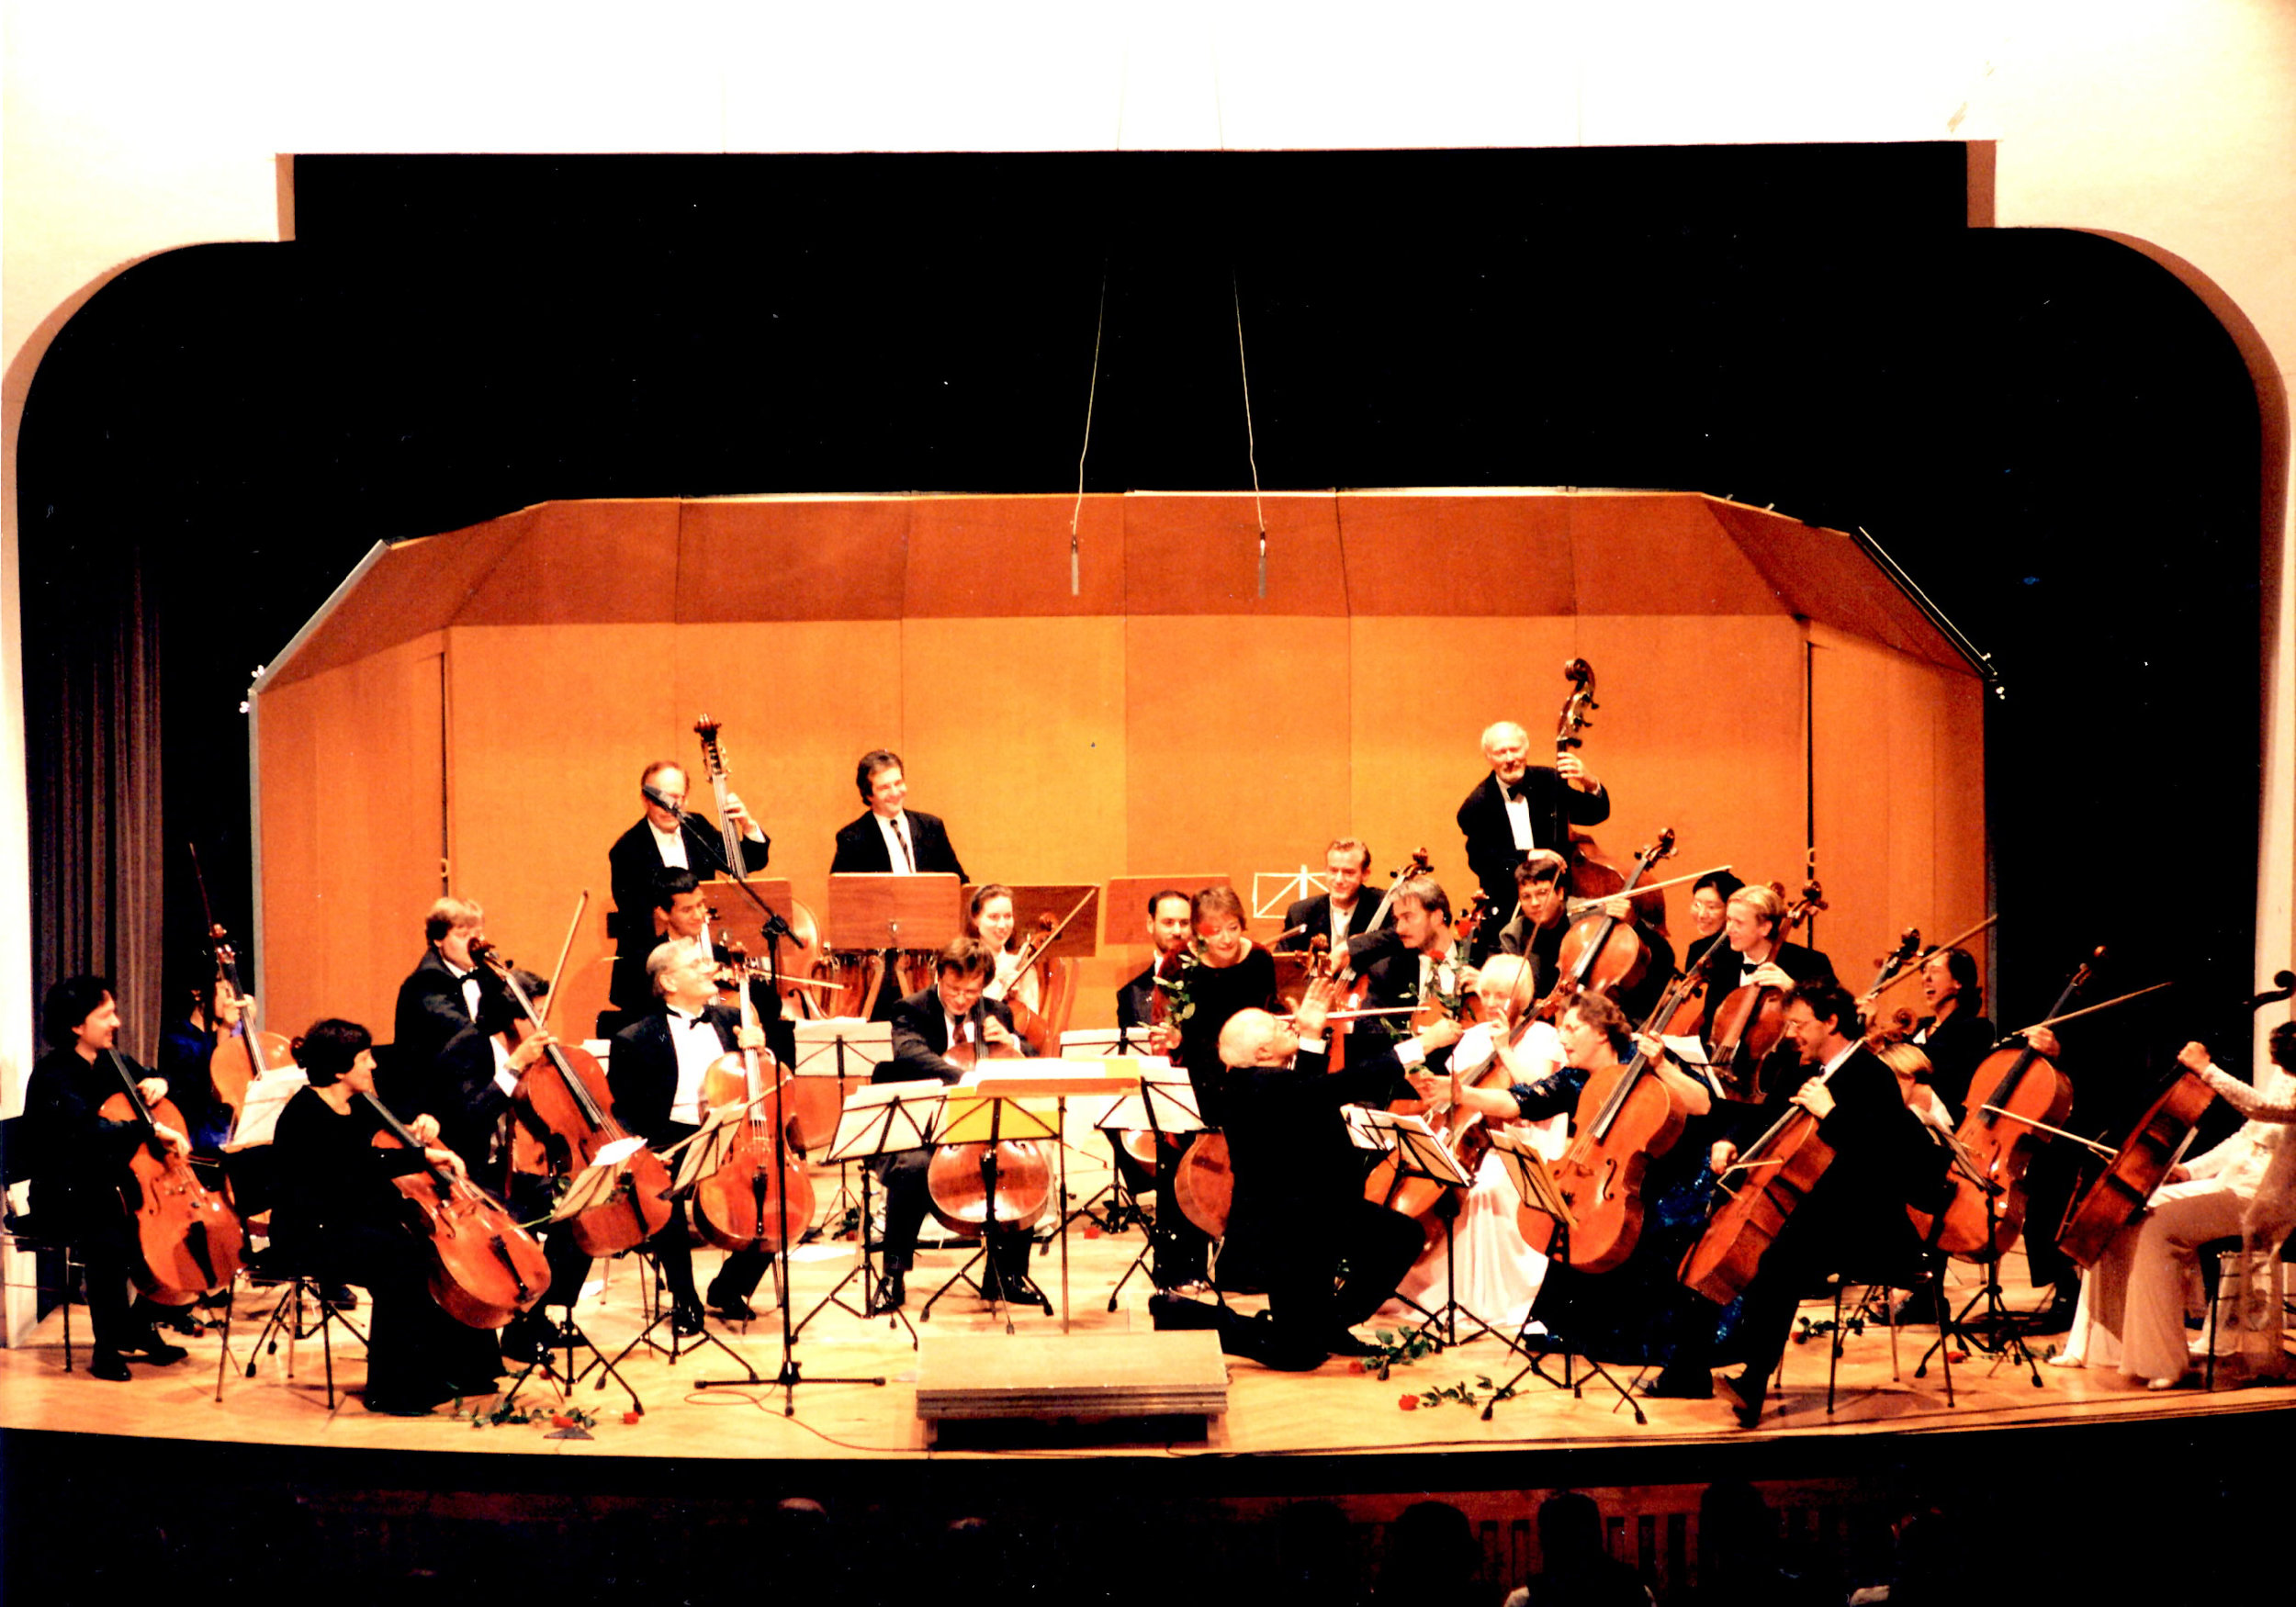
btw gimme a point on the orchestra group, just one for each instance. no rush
(1728, 1125)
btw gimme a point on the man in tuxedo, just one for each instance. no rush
(1542, 890)
(925, 1025)
(1343, 912)
(664, 839)
(1517, 807)
(1328, 1257)
(1855, 1218)
(1415, 960)
(889, 839)
(655, 1074)
(1756, 956)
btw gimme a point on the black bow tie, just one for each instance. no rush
(1519, 790)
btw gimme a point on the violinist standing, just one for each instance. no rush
(655, 1072)
(665, 839)
(80, 1161)
(2132, 1302)
(337, 1210)
(1179, 1249)
(1341, 914)
(924, 1025)
(890, 838)
(1855, 1218)
(1520, 806)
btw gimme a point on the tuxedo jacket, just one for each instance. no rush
(920, 1037)
(1490, 850)
(1800, 963)
(861, 847)
(1314, 914)
(1955, 1049)
(1135, 1001)
(441, 1060)
(1855, 1217)
(634, 860)
(643, 1069)
(1296, 1170)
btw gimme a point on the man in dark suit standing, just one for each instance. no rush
(925, 1024)
(664, 839)
(1343, 912)
(1517, 807)
(889, 839)
(1855, 1218)
(655, 1074)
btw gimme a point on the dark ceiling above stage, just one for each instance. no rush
(2045, 428)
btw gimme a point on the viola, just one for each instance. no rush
(972, 1186)
(486, 1269)
(2117, 1194)
(1780, 1168)
(565, 1100)
(759, 1192)
(1997, 1140)
(187, 1240)
(1750, 1020)
(1600, 952)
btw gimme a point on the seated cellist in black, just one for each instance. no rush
(1854, 1220)
(338, 1212)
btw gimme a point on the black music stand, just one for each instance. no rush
(842, 1046)
(1419, 1152)
(1526, 1169)
(1999, 1332)
(881, 1119)
(1166, 1104)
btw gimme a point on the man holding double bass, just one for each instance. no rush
(1520, 806)
(665, 838)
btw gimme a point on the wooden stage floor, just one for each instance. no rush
(1337, 1411)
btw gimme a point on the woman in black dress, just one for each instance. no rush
(339, 1212)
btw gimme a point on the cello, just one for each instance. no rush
(2117, 1194)
(486, 1269)
(565, 1098)
(972, 1188)
(1600, 952)
(1789, 1159)
(1203, 1178)
(187, 1241)
(1995, 1141)
(760, 1190)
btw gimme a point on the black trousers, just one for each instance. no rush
(1329, 1274)
(673, 1247)
(904, 1174)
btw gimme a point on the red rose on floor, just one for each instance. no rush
(558, 1420)
(1408, 1403)
(633, 1416)
(1092, 1232)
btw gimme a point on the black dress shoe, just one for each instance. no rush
(341, 1296)
(686, 1320)
(1344, 1344)
(1021, 1290)
(1680, 1384)
(732, 1307)
(156, 1350)
(891, 1294)
(109, 1366)
(1746, 1398)
(176, 1318)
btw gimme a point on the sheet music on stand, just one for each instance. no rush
(1527, 1170)
(886, 1117)
(1420, 1150)
(702, 1153)
(1166, 1101)
(1691, 1056)
(266, 1096)
(835, 1046)
(594, 1184)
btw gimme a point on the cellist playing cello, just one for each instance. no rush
(1854, 1218)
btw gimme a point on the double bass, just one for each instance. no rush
(760, 1193)
(1995, 1141)
(1593, 874)
(486, 1269)
(565, 1098)
(187, 1240)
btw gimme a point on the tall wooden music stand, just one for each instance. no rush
(871, 910)
(1124, 907)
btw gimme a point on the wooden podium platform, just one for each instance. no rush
(1071, 1381)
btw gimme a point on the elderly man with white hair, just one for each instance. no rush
(1520, 806)
(1298, 1216)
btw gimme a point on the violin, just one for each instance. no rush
(187, 1241)
(242, 1054)
(1600, 952)
(486, 1269)
(565, 1098)
(760, 1190)
(1782, 1166)
(1996, 1142)
(1749, 1022)
(973, 1186)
